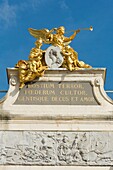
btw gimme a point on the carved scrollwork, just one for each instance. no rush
(97, 81)
(13, 80)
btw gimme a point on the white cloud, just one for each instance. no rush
(69, 19)
(63, 5)
(7, 14)
(33, 4)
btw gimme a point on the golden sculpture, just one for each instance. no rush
(36, 66)
(29, 70)
(56, 39)
(71, 61)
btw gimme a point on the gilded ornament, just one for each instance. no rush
(59, 54)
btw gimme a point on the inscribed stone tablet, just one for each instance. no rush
(57, 93)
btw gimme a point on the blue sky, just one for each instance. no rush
(94, 48)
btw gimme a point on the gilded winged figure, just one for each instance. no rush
(55, 36)
(36, 65)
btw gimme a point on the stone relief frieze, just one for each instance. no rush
(56, 148)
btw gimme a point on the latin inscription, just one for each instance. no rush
(57, 93)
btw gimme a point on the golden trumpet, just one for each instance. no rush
(90, 29)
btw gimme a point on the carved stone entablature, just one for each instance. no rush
(79, 94)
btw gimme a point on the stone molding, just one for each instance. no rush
(95, 77)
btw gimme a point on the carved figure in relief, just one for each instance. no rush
(64, 150)
(104, 153)
(47, 152)
(3, 153)
(13, 154)
(28, 153)
(54, 58)
(76, 156)
(84, 147)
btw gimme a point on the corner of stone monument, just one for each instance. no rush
(56, 110)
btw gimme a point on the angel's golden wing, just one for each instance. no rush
(40, 34)
(67, 43)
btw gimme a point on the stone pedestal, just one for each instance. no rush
(62, 120)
